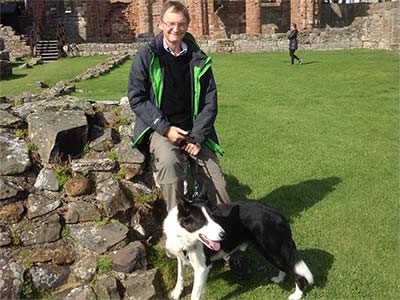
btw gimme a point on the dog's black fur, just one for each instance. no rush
(246, 222)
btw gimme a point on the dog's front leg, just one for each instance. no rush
(177, 291)
(198, 262)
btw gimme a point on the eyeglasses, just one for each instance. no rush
(172, 25)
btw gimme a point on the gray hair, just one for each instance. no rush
(177, 7)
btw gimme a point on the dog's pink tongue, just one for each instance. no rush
(215, 245)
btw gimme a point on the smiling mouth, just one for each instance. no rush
(213, 245)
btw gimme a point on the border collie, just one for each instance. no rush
(198, 234)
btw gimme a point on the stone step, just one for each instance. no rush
(48, 49)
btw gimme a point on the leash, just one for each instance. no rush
(196, 185)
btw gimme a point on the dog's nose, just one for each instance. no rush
(222, 235)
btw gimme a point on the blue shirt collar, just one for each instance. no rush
(169, 50)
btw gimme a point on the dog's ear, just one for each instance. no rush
(181, 203)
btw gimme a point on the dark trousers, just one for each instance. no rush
(292, 55)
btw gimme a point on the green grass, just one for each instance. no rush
(50, 73)
(320, 142)
(111, 86)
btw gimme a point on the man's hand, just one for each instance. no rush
(175, 135)
(192, 149)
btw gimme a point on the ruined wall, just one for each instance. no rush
(305, 13)
(46, 13)
(275, 17)
(379, 23)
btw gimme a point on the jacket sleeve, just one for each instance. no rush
(208, 109)
(140, 93)
(291, 34)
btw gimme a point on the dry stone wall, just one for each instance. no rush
(78, 206)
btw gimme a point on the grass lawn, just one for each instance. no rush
(50, 73)
(320, 142)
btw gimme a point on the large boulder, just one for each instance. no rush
(58, 134)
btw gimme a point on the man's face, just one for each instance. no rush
(174, 26)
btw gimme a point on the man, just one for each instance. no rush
(173, 94)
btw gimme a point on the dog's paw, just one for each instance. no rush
(279, 278)
(296, 296)
(175, 294)
(276, 279)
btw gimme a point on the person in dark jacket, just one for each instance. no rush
(293, 44)
(173, 94)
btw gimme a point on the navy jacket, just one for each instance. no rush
(145, 92)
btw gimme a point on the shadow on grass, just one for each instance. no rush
(290, 200)
(15, 76)
(319, 261)
(309, 62)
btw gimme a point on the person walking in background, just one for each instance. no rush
(293, 44)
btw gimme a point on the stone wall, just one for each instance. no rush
(379, 23)
(373, 26)
(14, 44)
(78, 206)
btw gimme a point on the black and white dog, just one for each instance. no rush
(198, 234)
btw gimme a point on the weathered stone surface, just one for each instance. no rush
(81, 212)
(14, 155)
(111, 118)
(11, 279)
(11, 213)
(58, 253)
(7, 190)
(144, 285)
(81, 165)
(44, 231)
(84, 292)
(85, 269)
(106, 141)
(131, 170)
(106, 288)
(43, 104)
(126, 130)
(40, 84)
(130, 258)
(9, 120)
(126, 111)
(35, 61)
(41, 204)
(47, 180)
(61, 88)
(99, 239)
(126, 154)
(46, 277)
(111, 197)
(78, 186)
(64, 131)
(5, 237)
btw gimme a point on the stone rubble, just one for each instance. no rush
(68, 182)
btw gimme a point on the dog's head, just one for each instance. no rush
(194, 217)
